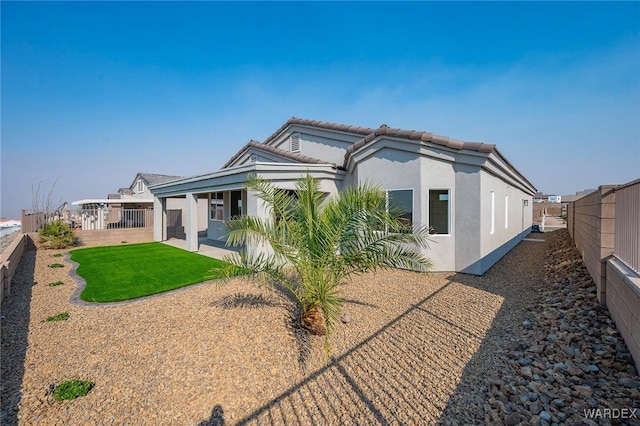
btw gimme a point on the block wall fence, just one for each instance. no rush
(605, 227)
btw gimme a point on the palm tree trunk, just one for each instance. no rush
(313, 320)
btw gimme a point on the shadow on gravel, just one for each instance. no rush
(376, 382)
(419, 367)
(216, 419)
(15, 333)
(516, 278)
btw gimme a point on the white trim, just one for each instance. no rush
(413, 201)
(449, 209)
(493, 213)
(506, 211)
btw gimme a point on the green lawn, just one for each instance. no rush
(118, 273)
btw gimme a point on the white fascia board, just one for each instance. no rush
(487, 161)
(244, 159)
(236, 177)
(498, 168)
(418, 148)
(331, 134)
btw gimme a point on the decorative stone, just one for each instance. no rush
(345, 318)
(585, 391)
(526, 372)
(513, 419)
(535, 407)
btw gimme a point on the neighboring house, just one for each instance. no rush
(101, 213)
(479, 205)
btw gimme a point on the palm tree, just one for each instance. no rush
(317, 243)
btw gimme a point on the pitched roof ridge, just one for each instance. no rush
(235, 156)
(153, 178)
(278, 151)
(142, 174)
(319, 124)
(422, 136)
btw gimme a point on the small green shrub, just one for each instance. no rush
(56, 265)
(72, 389)
(55, 283)
(56, 235)
(60, 317)
(57, 255)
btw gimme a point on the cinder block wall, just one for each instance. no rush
(623, 301)
(593, 226)
(106, 237)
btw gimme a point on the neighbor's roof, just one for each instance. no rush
(153, 179)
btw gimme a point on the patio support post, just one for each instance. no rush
(191, 229)
(159, 219)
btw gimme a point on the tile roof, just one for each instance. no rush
(368, 135)
(420, 136)
(281, 152)
(319, 124)
(153, 179)
(431, 138)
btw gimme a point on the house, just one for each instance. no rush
(478, 203)
(127, 206)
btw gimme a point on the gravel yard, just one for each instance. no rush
(416, 351)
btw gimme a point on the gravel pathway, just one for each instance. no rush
(417, 350)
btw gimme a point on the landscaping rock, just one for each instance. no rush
(425, 349)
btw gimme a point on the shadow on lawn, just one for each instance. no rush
(15, 334)
(422, 366)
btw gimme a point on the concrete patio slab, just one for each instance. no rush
(206, 247)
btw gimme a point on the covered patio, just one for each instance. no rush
(228, 197)
(206, 247)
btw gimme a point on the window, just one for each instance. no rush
(439, 210)
(236, 203)
(140, 186)
(216, 212)
(402, 199)
(506, 211)
(295, 143)
(493, 212)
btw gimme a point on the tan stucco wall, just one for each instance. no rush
(107, 237)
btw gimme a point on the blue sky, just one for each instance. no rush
(94, 92)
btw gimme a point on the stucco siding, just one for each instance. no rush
(397, 170)
(504, 222)
(439, 175)
(323, 145)
(467, 218)
(476, 196)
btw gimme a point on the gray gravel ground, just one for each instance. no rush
(416, 351)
